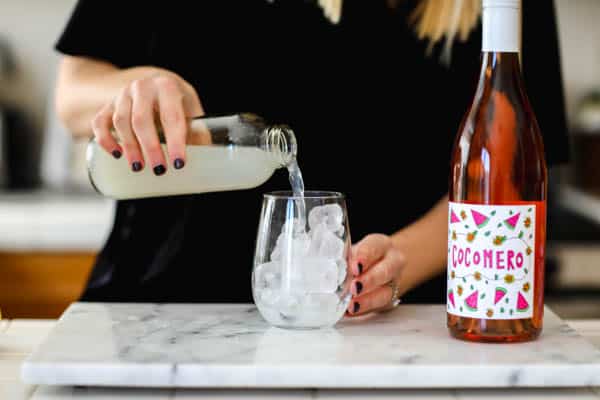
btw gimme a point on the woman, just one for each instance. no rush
(375, 118)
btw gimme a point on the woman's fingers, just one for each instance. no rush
(133, 114)
(375, 300)
(368, 252)
(172, 118)
(121, 120)
(101, 125)
(376, 262)
(143, 96)
(386, 270)
(191, 102)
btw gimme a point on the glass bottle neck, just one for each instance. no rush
(246, 130)
(500, 71)
(501, 44)
(280, 141)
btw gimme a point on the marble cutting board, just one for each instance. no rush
(230, 346)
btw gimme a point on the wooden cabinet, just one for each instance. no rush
(48, 243)
(41, 284)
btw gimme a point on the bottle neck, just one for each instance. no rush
(500, 71)
(280, 141)
(501, 29)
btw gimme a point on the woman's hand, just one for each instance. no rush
(163, 96)
(376, 263)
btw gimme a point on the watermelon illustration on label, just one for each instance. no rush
(453, 217)
(451, 297)
(479, 219)
(491, 270)
(511, 223)
(522, 304)
(500, 293)
(471, 301)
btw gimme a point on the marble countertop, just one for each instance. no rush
(230, 346)
(54, 221)
(18, 338)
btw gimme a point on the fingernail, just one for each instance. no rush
(178, 163)
(359, 287)
(116, 154)
(355, 308)
(136, 166)
(159, 170)
(360, 268)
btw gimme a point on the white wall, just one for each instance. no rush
(33, 25)
(579, 28)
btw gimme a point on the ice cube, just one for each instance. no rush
(290, 246)
(324, 243)
(331, 215)
(267, 275)
(316, 238)
(295, 225)
(321, 302)
(314, 275)
(268, 296)
(272, 279)
(289, 304)
(332, 247)
(320, 309)
(276, 253)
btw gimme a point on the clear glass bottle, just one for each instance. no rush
(222, 153)
(497, 209)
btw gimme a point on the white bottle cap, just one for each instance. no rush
(501, 26)
(502, 3)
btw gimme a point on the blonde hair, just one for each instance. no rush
(432, 19)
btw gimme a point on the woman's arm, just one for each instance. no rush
(94, 96)
(408, 258)
(85, 85)
(424, 245)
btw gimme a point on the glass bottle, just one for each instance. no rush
(222, 153)
(497, 208)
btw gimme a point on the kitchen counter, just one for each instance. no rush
(54, 221)
(19, 337)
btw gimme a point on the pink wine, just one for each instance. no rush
(497, 198)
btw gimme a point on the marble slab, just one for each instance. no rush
(230, 346)
(97, 393)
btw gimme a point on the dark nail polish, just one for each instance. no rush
(116, 154)
(136, 166)
(178, 163)
(355, 308)
(360, 268)
(359, 287)
(159, 170)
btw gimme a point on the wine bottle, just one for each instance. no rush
(222, 153)
(497, 197)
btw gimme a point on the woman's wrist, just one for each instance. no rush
(423, 244)
(405, 280)
(96, 82)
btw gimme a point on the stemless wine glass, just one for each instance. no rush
(300, 277)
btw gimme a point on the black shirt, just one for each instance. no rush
(374, 116)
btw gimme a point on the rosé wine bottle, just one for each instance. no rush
(497, 208)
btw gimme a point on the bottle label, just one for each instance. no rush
(491, 260)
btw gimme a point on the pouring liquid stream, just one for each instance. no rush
(296, 210)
